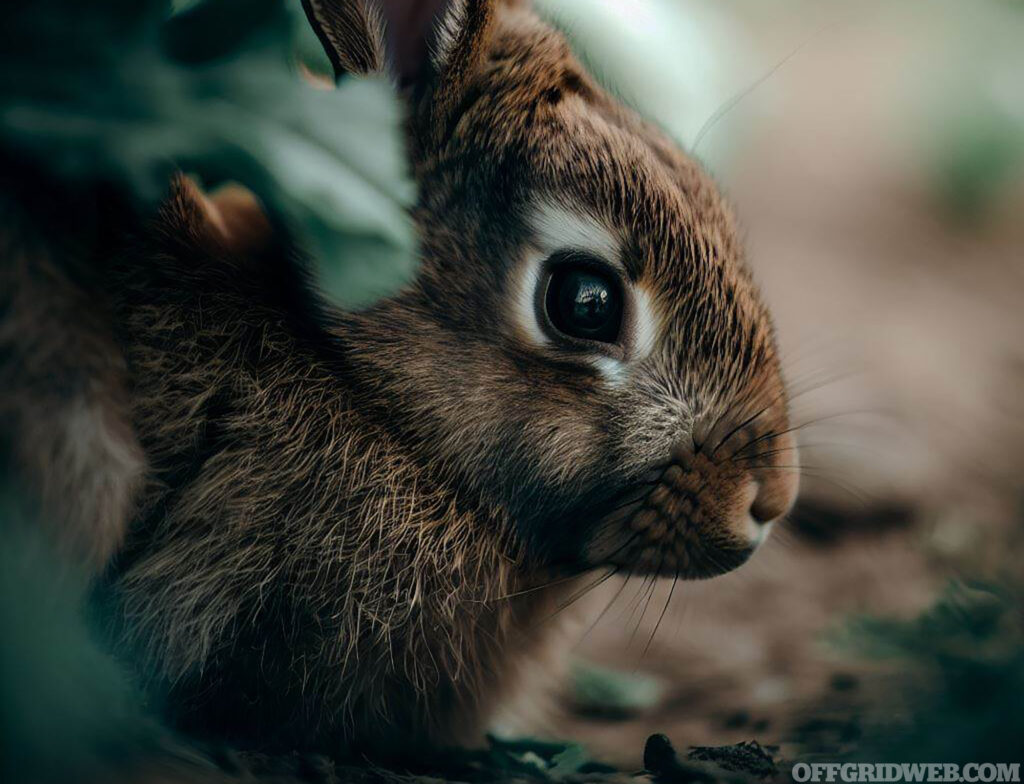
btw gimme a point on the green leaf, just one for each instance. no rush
(134, 93)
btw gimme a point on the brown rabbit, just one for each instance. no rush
(355, 526)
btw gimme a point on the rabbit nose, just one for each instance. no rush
(772, 500)
(777, 483)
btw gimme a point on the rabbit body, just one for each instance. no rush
(350, 531)
(295, 575)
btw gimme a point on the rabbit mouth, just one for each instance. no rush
(688, 520)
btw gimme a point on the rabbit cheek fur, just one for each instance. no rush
(347, 519)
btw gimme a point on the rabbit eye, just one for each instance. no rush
(584, 303)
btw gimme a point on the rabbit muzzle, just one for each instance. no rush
(698, 515)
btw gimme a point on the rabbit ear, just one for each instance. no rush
(351, 33)
(409, 38)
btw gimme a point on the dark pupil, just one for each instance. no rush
(584, 304)
(585, 301)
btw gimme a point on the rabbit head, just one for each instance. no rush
(584, 349)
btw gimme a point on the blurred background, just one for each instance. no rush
(874, 152)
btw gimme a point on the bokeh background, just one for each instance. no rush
(875, 155)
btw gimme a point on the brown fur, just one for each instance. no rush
(63, 406)
(323, 562)
(352, 521)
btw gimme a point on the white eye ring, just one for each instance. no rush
(555, 228)
(645, 324)
(526, 299)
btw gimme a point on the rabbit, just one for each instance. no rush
(354, 529)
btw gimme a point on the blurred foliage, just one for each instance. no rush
(127, 92)
(601, 691)
(972, 104)
(65, 705)
(977, 155)
(959, 693)
(534, 760)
